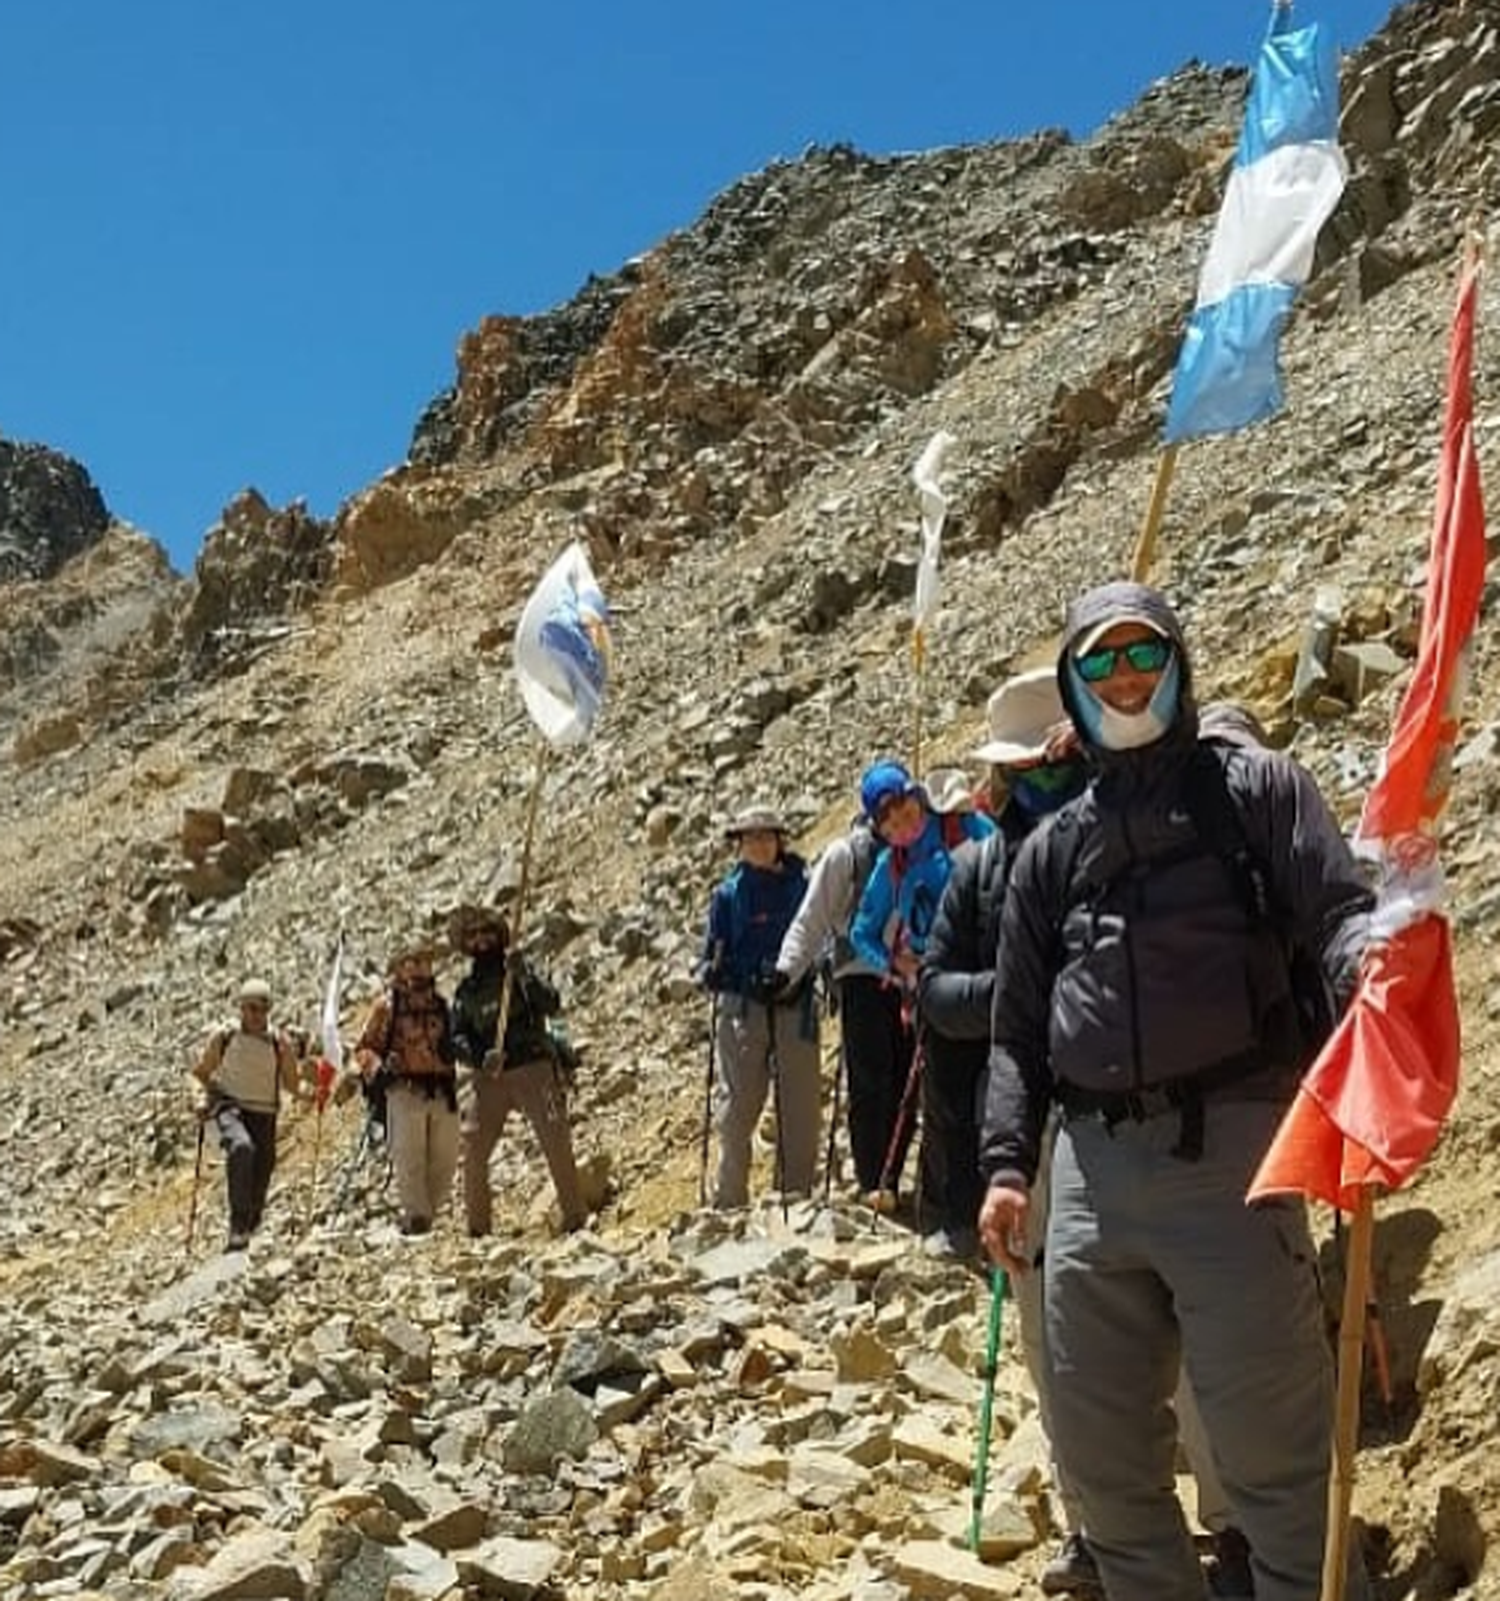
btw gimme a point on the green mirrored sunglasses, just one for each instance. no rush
(1144, 655)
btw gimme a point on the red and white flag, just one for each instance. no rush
(1371, 1107)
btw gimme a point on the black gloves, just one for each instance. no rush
(770, 986)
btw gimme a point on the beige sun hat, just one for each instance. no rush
(755, 819)
(1022, 713)
(256, 991)
(948, 790)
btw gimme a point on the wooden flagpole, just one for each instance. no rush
(522, 890)
(1145, 545)
(1346, 1416)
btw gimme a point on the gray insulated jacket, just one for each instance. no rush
(1128, 955)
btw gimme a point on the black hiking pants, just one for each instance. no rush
(951, 1188)
(877, 1051)
(248, 1140)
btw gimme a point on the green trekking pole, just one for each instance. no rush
(987, 1405)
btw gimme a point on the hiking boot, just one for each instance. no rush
(411, 1226)
(1228, 1566)
(238, 1240)
(952, 1244)
(1072, 1570)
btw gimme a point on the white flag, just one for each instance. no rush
(934, 514)
(333, 1048)
(563, 650)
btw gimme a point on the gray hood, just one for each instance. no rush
(1121, 602)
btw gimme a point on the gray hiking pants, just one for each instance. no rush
(743, 1082)
(1152, 1259)
(1213, 1503)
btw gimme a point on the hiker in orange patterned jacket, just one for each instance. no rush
(407, 1045)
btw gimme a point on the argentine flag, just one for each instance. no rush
(1288, 175)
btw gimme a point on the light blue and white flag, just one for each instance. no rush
(563, 650)
(1288, 175)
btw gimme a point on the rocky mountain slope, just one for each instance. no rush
(210, 776)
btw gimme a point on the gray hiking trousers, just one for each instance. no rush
(1028, 1288)
(744, 1080)
(1151, 1260)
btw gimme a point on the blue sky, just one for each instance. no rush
(240, 243)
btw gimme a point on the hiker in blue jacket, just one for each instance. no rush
(766, 1028)
(920, 828)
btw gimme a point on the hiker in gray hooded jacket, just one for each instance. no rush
(1137, 989)
(876, 1040)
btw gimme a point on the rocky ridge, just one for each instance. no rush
(319, 728)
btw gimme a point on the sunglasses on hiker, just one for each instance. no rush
(1144, 655)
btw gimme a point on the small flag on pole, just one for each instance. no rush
(563, 650)
(925, 476)
(1287, 177)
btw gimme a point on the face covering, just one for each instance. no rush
(1115, 730)
(1040, 790)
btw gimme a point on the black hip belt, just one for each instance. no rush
(1184, 1095)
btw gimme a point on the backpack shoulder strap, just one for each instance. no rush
(1216, 818)
(392, 1011)
(953, 831)
(863, 849)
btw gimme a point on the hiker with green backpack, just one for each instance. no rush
(1145, 987)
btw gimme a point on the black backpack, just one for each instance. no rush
(1211, 805)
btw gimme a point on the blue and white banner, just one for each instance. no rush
(1288, 175)
(563, 650)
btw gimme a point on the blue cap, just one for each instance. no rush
(884, 781)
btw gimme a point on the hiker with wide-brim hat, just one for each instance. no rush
(242, 1071)
(765, 1032)
(405, 1057)
(524, 1075)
